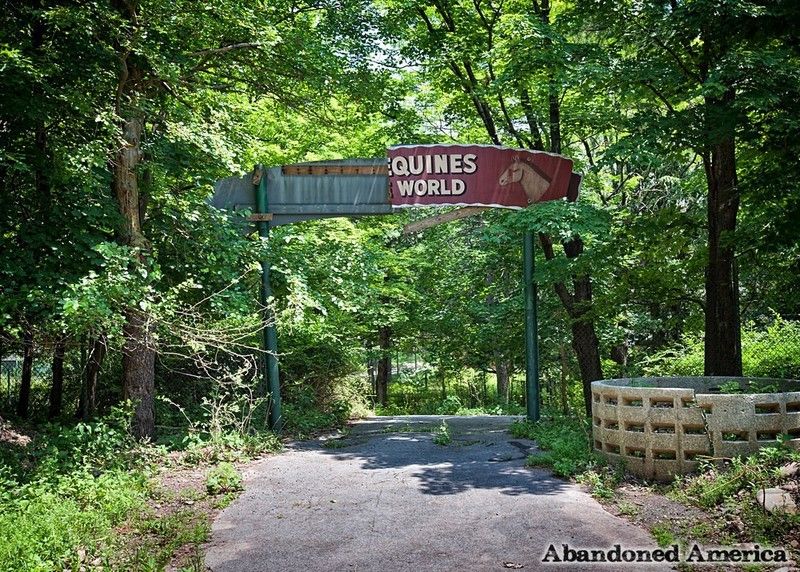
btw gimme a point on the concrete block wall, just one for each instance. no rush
(661, 427)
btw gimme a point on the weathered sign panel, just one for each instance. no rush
(421, 175)
(305, 191)
(475, 175)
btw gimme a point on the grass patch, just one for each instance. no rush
(628, 509)
(61, 523)
(86, 497)
(338, 443)
(158, 537)
(422, 428)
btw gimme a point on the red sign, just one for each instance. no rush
(480, 175)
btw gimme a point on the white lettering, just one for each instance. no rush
(431, 187)
(469, 163)
(400, 166)
(416, 164)
(455, 164)
(406, 188)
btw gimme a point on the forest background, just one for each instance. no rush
(123, 293)
(119, 281)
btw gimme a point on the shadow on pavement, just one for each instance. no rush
(482, 454)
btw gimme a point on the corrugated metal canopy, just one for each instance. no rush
(294, 198)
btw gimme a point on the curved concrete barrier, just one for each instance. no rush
(661, 427)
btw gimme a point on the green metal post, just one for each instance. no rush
(531, 327)
(271, 374)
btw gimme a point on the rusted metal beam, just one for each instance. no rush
(334, 170)
(420, 225)
(260, 217)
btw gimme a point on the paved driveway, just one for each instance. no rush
(387, 498)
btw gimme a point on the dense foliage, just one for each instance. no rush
(104, 251)
(119, 281)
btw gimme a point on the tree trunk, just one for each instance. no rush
(723, 344)
(88, 400)
(562, 350)
(578, 304)
(501, 368)
(57, 389)
(371, 376)
(27, 373)
(138, 359)
(138, 373)
(384, 365)
(585, 344)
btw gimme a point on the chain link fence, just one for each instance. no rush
(41, 378)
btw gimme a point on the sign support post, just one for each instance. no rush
(473, 177)
(271, 380)
(531, 328)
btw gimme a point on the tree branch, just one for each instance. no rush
(226, 49)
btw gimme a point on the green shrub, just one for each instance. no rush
(732, 487)
(223, 478)
(306, 415)
(67, 490)
(716, 483)
(565, 444)
(42, 523)
(773, 351)
(449, 405)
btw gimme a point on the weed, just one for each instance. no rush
(734, 486)
(701, 531)
(442, 436)
(225, 500)
(339, 443)
(601, 482)
(161, 535)
(224, 478)
(564, 442)
(663, 535)
(42, 523)
(628, 509)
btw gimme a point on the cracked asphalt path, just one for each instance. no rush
(387, 498)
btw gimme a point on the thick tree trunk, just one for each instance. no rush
(138, 360)
(384, 365)
(27, 373)
(578, 305)
(723, 344)
(88, 399)
(57, 389)
(585, 344)
(138, 373)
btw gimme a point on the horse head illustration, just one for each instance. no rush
(534, 181)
